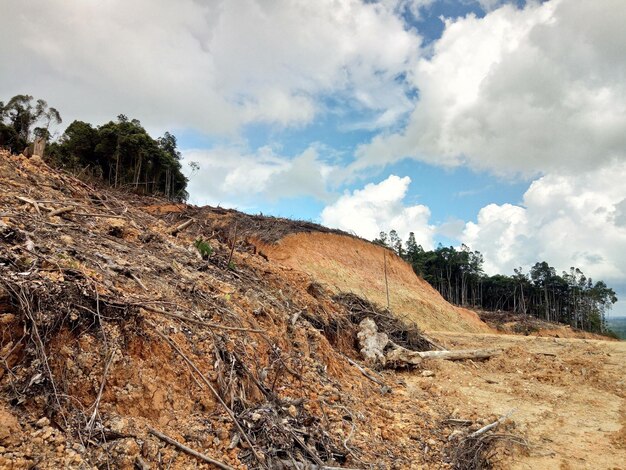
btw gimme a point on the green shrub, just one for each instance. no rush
(203, 248)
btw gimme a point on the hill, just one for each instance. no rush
(130, 326)
(338, 261)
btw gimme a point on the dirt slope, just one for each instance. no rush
(111, 325)
(349, 264)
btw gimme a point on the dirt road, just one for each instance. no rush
(569, 396)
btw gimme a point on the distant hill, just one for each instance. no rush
(618, 326)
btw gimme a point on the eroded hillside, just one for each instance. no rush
(350, 264)
(113, 325)
(117, 330)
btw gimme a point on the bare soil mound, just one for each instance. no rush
(349, 264)
(520, 324)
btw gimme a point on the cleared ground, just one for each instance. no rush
(569, 396)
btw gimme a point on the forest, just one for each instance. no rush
(457, 274)
(120, 153)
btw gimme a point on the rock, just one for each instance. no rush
(293, 411)
(43, 422)
(47, 432)
(10, 429)
(427, 373)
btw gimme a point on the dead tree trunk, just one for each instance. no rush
(379, 350)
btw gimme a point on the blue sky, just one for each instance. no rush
(499, 124)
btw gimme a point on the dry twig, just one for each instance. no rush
(201, 322)
(92, 420)
(61, 210)
(188, 450)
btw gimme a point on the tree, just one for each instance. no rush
(77, 148)
(49, 115)
(381, 240)
(396, 243)
(457, 274)
(18, 117)
(542, 274)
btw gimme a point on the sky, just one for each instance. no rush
(498, 124)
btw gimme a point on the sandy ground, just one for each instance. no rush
(568, 396)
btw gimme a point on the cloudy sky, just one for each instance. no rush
(500, 124)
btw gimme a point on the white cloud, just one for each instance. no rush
(566, 220)
(210, 65)
(380, 207)
(234, 177)
(535, 90)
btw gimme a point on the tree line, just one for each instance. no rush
(457, 274)
(121, 152)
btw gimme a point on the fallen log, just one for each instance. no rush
(182, 226)
(400, 356)
(460, 354)
(378, 349)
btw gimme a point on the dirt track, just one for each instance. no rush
(569, 396)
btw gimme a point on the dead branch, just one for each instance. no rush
(201, 322)
(30, 201)
(301, 466)
(434, 344)
(188, 450)
(493, 425)
(230, 413)
(364, 372)
(138, 281)
(61, 210)
(141, 463)
(92, 420)
(106, 216)
(182, 226)
(232, 248)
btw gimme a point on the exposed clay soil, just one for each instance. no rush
(105, 298)
(349, 264)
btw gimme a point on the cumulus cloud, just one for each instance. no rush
(567, 220)
(235, 177)
(380, 207)
(210, 65)
(530, 91)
